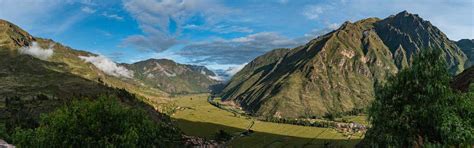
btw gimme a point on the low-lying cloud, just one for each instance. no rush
(108, 66)
(36, 51)
(233, 70)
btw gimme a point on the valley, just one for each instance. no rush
(393, 81)
(195, 116)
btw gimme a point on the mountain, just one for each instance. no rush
(38, 75)
(173, 77)
(467, 46)
(464, 80)
(336, 72)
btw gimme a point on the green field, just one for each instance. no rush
(197, 117)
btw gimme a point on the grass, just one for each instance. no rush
(358, 119)
(197, 117)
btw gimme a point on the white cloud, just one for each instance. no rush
(108, 66)
(162, 20)
(88, 10)
(217, 78)
(312, 12)
(36, 51)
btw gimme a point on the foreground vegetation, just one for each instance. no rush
(196, 117)
(418, 107)
(103, 123)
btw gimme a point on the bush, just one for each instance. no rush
(222, 136)
(100, 123)
(417, 107)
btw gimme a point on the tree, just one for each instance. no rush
(417, 107)
(100, 123)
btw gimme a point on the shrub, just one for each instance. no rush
(221, 136)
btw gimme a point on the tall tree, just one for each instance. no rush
(417, 107)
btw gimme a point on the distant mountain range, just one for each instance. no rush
(336, 72)
(173, 77)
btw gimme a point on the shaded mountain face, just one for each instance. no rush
(336, 72)
(173, 77)
(467, 46)
(464, 80)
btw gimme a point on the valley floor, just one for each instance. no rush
(196, 117)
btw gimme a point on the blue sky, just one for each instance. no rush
(220, 34)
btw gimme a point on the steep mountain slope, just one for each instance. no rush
(172, 77)
(467, 46)
(464, 80)
(336, 72)
(410, 33)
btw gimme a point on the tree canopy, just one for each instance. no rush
(417, 107)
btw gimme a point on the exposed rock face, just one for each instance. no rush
(336, 72)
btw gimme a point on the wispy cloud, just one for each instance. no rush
(112, 16)
(312, 12)
(28, 13)
(237, 50)
(282, 1)
(222, 29)
(162, 20)
(88, 10)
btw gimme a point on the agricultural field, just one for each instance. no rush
(196, 117)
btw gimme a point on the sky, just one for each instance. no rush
(219, 34)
